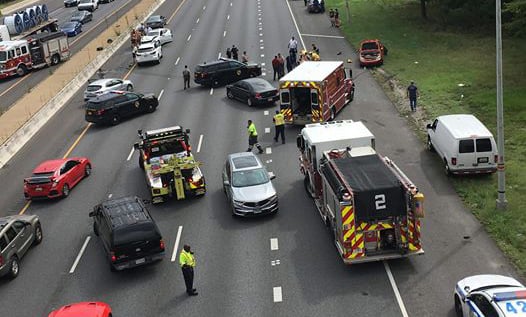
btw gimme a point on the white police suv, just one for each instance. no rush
(490, 296)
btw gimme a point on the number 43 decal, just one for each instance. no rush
(519, 306)
(379, 201)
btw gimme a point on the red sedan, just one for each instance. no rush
(84, 309)
(371, 53)
(55, 178)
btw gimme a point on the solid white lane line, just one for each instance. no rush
(197, 21)
(224, 33)
(177, 61)
(176, 246)
(295, 24)
(79, 255)
(189, 37)
(267, 130)
(395, 290)
(327, 36)
(211, 91)
(131, 153)
(160, 94)
(268, 150)
(278, 295)
(265, 112)
(199, 144)
(274, 244)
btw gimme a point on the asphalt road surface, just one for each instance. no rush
(237, 273)
(13, 88)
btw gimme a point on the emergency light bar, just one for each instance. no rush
(499, 297)
(161, 133)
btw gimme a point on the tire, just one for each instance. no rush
(249, 102)
(38, 235)
(458, 307)
(55, 59)
(21, 70)
(65, 190)
(447, 171)
(215, 83)
(229, 94)
(351, 95)
(87, 170)
(115, 119)
(151, 108)
(95, 229)
(14, 267)
(429, 145)
(112, 268)
(141, 161)
(306, 184)
(129, 88)
(333, 114)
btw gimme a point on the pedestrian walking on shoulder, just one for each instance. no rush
(293, 46)
(253, 137)
(186, 77)
(331, 17)
(279, 124)
(244, 57)
(235, 52)
(412, 94)
(281, 69)
(336, 18)
(275, 66)
(228, 53)
(187, 263)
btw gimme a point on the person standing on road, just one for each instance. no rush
(331, 17)
(253, 137)
(186, 77)
(293, 46)
(412, 94)
(336, 18)
(235, 52)
(228, 52)
(279, 124)
(275, 66)
(281, 68)
(187, 263)
(244, 57)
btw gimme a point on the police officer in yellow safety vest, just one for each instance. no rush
(187, 262)
(253, 137)
(279, 123)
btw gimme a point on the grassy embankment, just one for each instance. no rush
(438, 60)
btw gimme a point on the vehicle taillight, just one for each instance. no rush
(99, 112)
(161, 244)
(453, 161)
(197, 182)
(258, 95)
(113, 257)
(496, 158)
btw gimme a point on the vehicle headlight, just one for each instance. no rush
(238, 203)
(274, 198)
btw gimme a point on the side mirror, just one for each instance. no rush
(226, 183)
(136, 146)
(429, 126)
(271, 175)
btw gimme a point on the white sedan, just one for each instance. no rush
(150, 52)
(164, 35)
(490, 296)
(98, 87)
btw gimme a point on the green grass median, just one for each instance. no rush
(438, 59)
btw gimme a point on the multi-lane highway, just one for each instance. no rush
(11, 89)
(237, 273)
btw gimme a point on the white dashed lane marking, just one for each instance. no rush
(268, 150)
(267, 130)
(228, 17)
(278, 295)
(197, 21)
(77, 260)
(189, 37)
(199, 144)
(177, 61)
(131, 153)
(224, 33)
(176, 245)
(211, 91)
(274, 244)
(265, 112)
(160, 94)
(110, 195)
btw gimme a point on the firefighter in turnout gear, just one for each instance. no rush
(279, 123)
(253, 137)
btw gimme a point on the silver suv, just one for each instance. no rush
(17, 234)
(248, 186)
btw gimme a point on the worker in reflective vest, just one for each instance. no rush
(187, 262)
(253, 137)
(279, 123)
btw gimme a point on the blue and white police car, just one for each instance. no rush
(490, 295)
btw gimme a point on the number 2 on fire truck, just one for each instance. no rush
(379, 201)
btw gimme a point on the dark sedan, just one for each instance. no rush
(71, 28)
(113, 106)
(82, 17)
(253, 91)
(224, 71)
(156, 21)
(71, 3)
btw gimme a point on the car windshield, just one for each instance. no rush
(69, 25)
(145, 50)
(85, 1)
(93, 87)
(369, 46)
(3, 56)
(261, 86)
(95, 105)
(154, 33)
(78, 14)
(250, 177)
(154, 18)
(167, 147)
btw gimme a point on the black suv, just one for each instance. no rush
(113, 106)
(224, 71)
(128, 233)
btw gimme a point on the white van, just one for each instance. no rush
(464, 144)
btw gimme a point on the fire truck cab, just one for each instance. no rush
(369, 204)
(315, 91)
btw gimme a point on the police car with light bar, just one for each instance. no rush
(490, 296)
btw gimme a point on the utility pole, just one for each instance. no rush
(501, 190)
